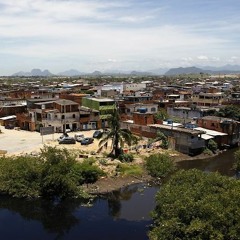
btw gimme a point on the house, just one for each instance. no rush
(89, 118)
(224, 125)
(187, 141)
(8, 121)
(105, 106)
(208, 99)
(62, 114)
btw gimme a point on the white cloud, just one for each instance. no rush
(93, 31)
(202, 57)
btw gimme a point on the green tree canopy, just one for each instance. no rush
(230, 111)
(197, 205)
(159, 165)
(55, 174)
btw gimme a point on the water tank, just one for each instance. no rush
(142, 110)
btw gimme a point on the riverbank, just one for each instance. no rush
(109, 184)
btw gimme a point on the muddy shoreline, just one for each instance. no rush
(109, 184)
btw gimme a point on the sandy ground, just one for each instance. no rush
(22, 142)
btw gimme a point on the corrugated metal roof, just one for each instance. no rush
(8, 117)
(206, 137)
(211, 132)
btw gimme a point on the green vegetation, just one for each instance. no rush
(212, 145)
(197, 205)
(161, 114)
(159, 165)
(230, 111)
(126, 157)
(118, 136)
(161, 137)
(129, 170)
(207, 151)
(55, 174)
(236, 165)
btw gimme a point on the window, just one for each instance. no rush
(63, 116)
(153, 109)
(73, 116)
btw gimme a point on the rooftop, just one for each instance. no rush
(177, 129)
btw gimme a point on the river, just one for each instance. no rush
(121, 215)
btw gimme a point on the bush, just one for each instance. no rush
(207, 151)
(126, 157)
(212, 145)
(20, 176)
(236, 165)
(159, 165)
(54, 174)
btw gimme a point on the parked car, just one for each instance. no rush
(67, 140)
(79, 137)
(87, 141)
(97, 134)
(63, 136)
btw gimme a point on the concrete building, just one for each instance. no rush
(105, 106)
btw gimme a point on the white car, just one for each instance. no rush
(79, 137)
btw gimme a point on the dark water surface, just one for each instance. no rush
(121, 215)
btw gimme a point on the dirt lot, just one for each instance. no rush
(21, 142)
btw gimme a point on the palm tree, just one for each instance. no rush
(118, 136)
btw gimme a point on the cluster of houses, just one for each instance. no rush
(79, 105)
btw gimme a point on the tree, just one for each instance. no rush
(159, 165)
(55, 174)
(161, 114)
(118, 135)
(230, 111)
(197, 205)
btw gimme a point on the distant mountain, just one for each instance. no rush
(187, 70)
(35, 73)
(96, 73)
(227, 68)
(71, 73)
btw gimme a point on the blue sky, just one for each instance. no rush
(109, 35)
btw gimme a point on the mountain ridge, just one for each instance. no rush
(226, 69)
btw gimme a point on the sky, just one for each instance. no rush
(109, 35)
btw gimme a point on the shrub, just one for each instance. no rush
(212, 145)
(55, 174)
(159, 165)
(126, 157)
(207, 151)
(20, 176)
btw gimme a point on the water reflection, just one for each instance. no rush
(123, 214)
(223, 163)
(55, 218)
(132, 203)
